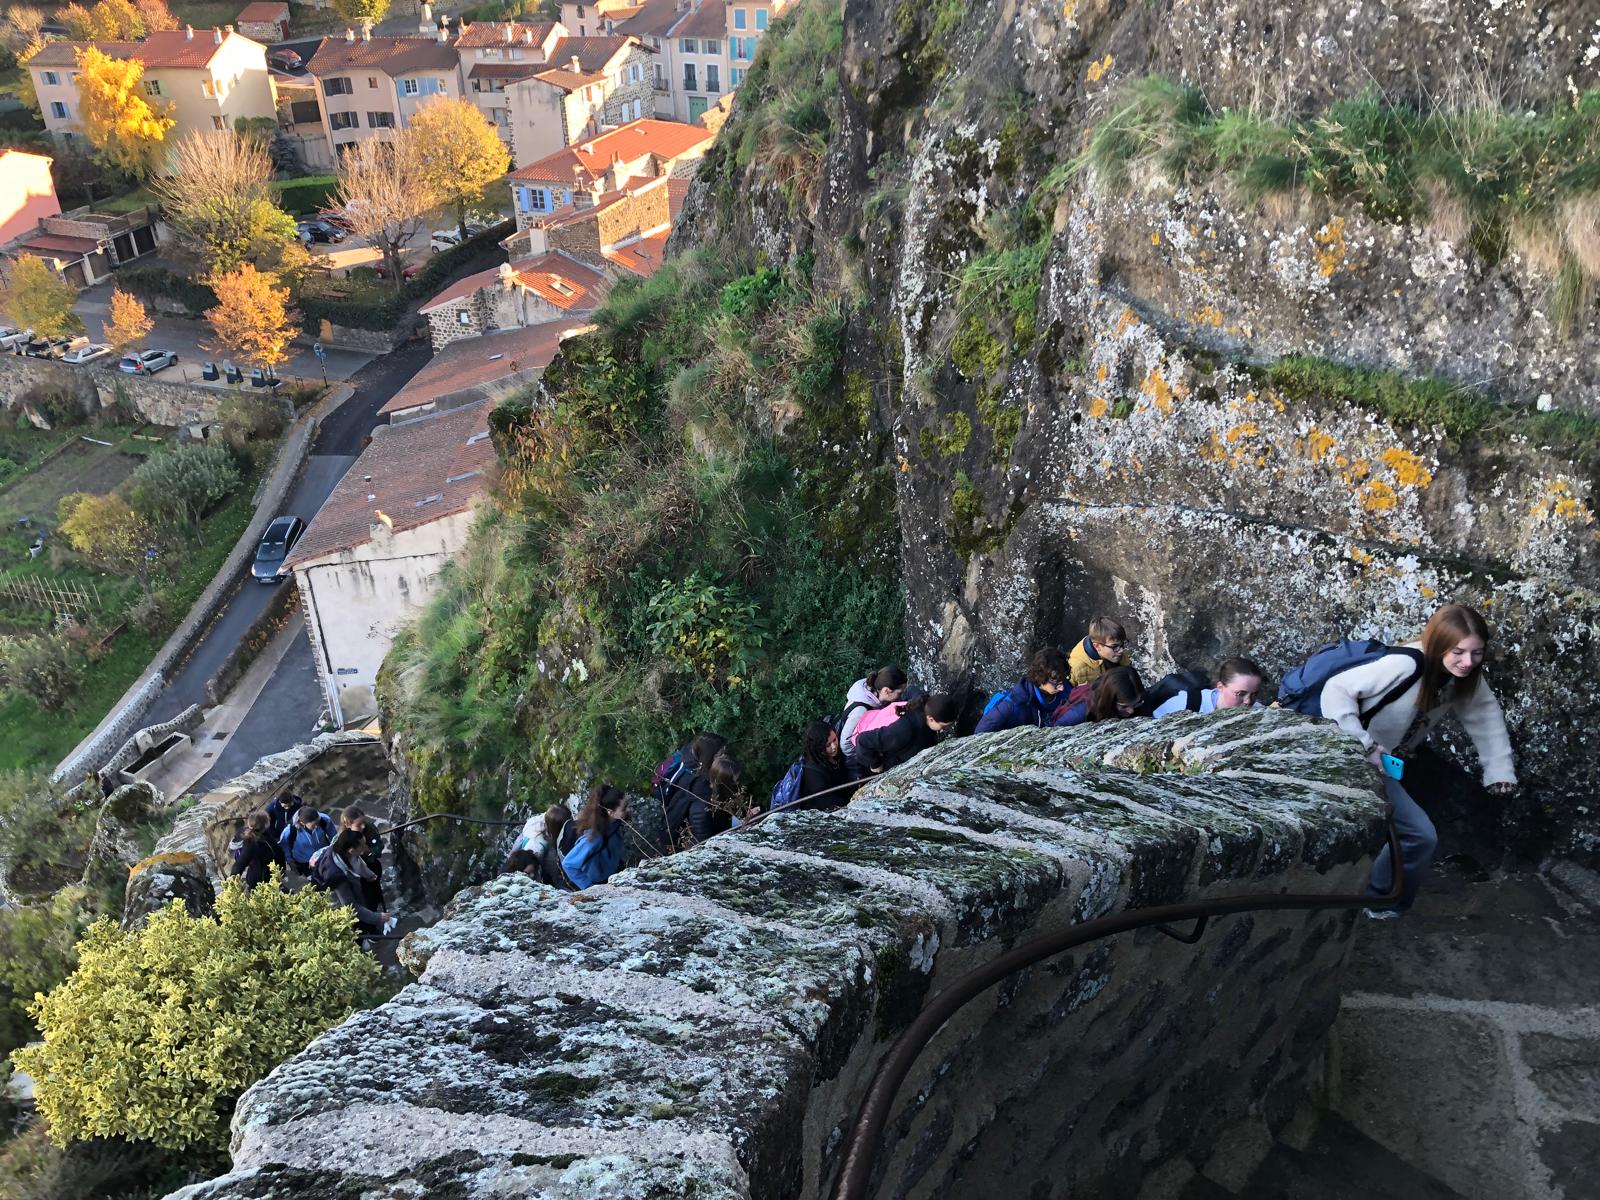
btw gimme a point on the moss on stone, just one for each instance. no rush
(1002, 420)
(976, 352)
(951, 436)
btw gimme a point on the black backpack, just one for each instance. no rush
(324, 876)
(1188, 684)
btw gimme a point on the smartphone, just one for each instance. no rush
(1394, 767)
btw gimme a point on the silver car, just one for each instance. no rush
(146, 362)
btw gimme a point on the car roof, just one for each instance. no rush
(281, 524)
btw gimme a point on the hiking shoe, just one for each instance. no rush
(1381, 914)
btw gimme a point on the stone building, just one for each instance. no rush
(549, 287)
(587, 86)
(625, 229)
(370, 559)
(370, 85)
(581, 175)
(265, 20)
(480, 368)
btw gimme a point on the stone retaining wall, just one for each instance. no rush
(161, 400)
(706, 1024)
(185, 722)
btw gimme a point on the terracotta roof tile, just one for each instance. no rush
(566, 80)
(503, 70)
(421, 471)
(563, 281)
(710, 22)
(387, 54)
(475, 361)
(653, 19)
(663, 139)
(481, 34)
(643, 257)
(263, 11)
(168, 48)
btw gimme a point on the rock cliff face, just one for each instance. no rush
(1088, 382)
(705, 1025)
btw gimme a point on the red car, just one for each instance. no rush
(406, 272)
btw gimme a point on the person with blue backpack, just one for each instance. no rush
(307, 833)
(1034, 699)
(1237, 684)
(1389, 699)
(597, 855)
(820, 771)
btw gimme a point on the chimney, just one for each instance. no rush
(597, 188)
(349, 34)
(216, 35)
(366, 33)
(188, 33)
(508, 276)
(619, 173)
(444, 35)
(505, 34)
(576, 66)
(527, 37)
(427, 12)
(538, 243)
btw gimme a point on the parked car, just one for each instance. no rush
(406, 271)
(55, 347)
(319, 231)
(285, 60)
(444, 239)
(335, 217)
(146, 362)
(276, 543)
(14, 339)
(87, 353)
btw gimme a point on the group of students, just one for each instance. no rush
(298, 839)
(1387, 697)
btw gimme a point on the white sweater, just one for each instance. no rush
(1346, 694)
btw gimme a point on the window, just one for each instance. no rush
(380, 120)
(761, 18)
(372, 83)
(635, 72)
(152, 87)
(742, 48)
(410, 87)
(741, 19)
(655, 43)
(336, 87)
(710, 46)
(660, 77)
(687, 45)
(735, 77)
(208, 89)
(538, 200)
(58, 109)
(52, 78)
(688, 78)
(515, 53)
(464, 317)
(216, 122)
(712, 84)
(342, 120)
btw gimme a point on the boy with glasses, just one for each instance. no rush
(1106, 646)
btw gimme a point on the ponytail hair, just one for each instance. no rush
(892, 678)
(1118, 685)
(941, 707)
(705, 749)
(596, 816)
(1446, 629)
(728, 792)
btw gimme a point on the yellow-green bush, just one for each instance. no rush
(160, 1029)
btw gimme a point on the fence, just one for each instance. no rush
(67, 601)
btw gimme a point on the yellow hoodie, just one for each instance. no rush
(1087, 665)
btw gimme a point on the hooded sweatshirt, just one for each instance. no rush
(1086, 664)
(1399, 727)
(858, 702)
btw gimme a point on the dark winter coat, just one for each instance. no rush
(1023, 704)
(890, 745)
(346, 891)
(821, 777)
(254, 860)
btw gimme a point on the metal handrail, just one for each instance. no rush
(867, 1132)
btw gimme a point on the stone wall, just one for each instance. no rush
(706, 1024)
(330, 771)
(185, 722)
(160, 399)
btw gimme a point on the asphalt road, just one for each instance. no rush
(281, 717)
(339, 439)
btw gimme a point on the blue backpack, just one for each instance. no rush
(995, 699)
(1301, 688)
(787, 790)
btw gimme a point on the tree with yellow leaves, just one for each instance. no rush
(36, 298)
(457, 153)
(116, 20)
(129, 323)
(119, 122)
(252, 319)
(26, 91)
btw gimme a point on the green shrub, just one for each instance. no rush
(38, 949)
(309, 194)
(103, 1169)
(159, 1029)
(43, 834)
(250, 417)
(44, 666)
(150, 284)
(149, 613)
(178, 487)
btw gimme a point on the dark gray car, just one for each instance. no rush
(276, 543)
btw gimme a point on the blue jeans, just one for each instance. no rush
(1418, 841)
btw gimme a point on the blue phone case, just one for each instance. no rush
(1394, 767)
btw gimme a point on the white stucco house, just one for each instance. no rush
(371, 557)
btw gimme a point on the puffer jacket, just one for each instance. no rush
(889, 746)
(1023, 704)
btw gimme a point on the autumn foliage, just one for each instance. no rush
(253, 318)
(119, 122)
(128, 323)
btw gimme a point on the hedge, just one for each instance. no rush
(308, 195)
(150, 283)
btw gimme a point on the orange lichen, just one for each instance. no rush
(1377, 496)
(1330, 251)
(1097, 70)
(1247, 429)
(1126, 321)
(1098, 407)
(1209, 315)
(1558, 500)
(1161, 393)
(1101, 372)
(1318, 444)
(1407, 467)
(1155, 239)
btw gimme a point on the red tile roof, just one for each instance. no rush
(563, 281)
(263, 11)
(481, 34)
(643, 257)
(59, 244)
(476, 361)
(502, 70)
(592, 53)
(387, 54)
(664, 139)
(653, 18)
(566, 80)
(420, 471)
(168, 48)
(710, 22)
